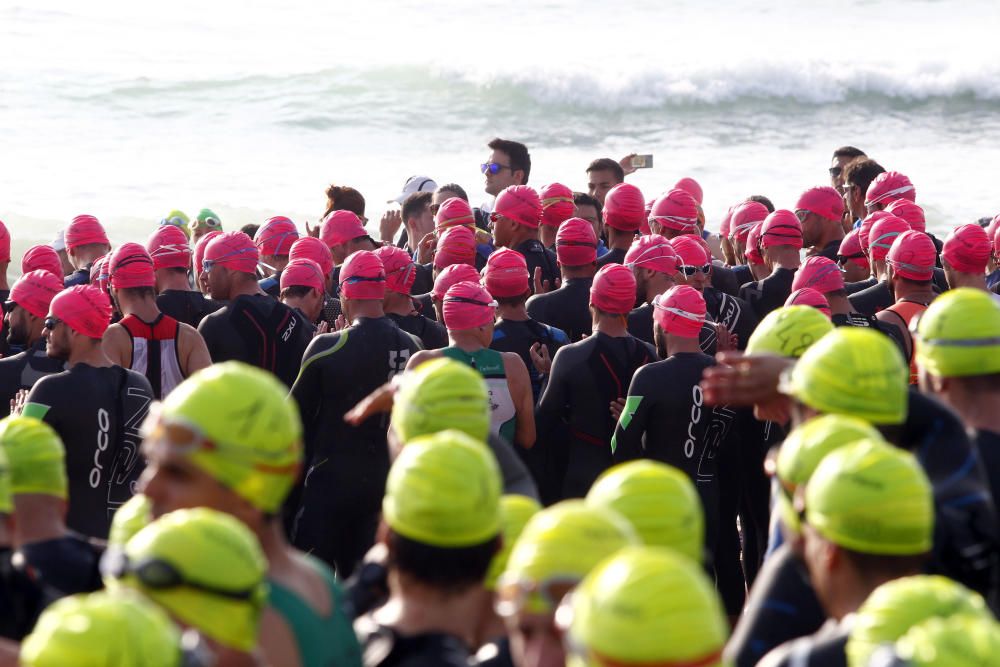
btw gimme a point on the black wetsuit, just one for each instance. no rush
(567, 308)
(424, 304)
(725, 280)
(665, 419)
(97, 412)
(432, 335)
(988, 444)
(860, 286)
(345, 481)
(769, 293)
(743, 275)
(259, 331)
(382, 646)
(23, 370)
(78, 277)
(827, 647)
(424, 281)
(878, 296)
(62, 566)
(537, 255)
(271, 285)
(831, 250)
(613, 256)
(640, 325)
(186, 306)
(586, 377)
(732, 312)
(495, 654)
(855, 320)
(519, 336)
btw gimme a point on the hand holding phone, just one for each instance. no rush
(642, 161)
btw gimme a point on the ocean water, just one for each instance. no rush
(129, 109)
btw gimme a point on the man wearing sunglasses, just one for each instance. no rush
(508, 164)
(841, 157)
(25, 311)
(96, 407)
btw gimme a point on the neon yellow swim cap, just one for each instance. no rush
(102, 630)
(238, 425)
(852, 371)
(36, 457)
(130, 518)
(444, 490)
(659, 501)
(959, 334)
(438, 395)
(956, 641)
(179, 219)
(789, 331)
(204, 567)
(806, 446)
(6, 499)
(515, 511)
(644, 606)
(560, 545)
(872, 498)
(896, 606)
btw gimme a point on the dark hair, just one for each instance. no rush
(861, 172)
(455, 188)
(448, 569)
(849, 151)
(344, 198)
(139, 291)
(607, 164)
(518, 154)
(761, 199)
(296, 291)
(250, 230)
(416, 204)
(584, 199)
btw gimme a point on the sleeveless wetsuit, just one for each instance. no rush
(155, 352)
(906, 310)
(489, 363)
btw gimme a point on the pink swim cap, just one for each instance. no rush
(576, 243)
(131, 266)
(303, 273)
(913, 256)
(85, 309)
(744, 217)
(83, 230)
(400, 271)
(823, 201)
(340, 227)
(653, 252)
(690, 186)
(35, 290)
(807, 296)
(864, 231)
(506, 274)
(680, 311)
(362, 276)
(450, 275)
(4, 243)
(467, 305)
(724, 226)
(456, 245)
(557, 204)
(991, 229)
(676, 210)
(781, 228)
(168, 246)
(907, 210)
(890, 185)
(42, 257)
(310, 247)
(752, 249)
(453, 212)
(233, 250)
(967, 249)
(883, 233)
(820, 273)
(199, 250)
(276, 236)
(850, 249)
(689, 251)
(613, 289)
(624, 207)
(521, 204)
(99, 272)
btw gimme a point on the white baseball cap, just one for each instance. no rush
(415, 184)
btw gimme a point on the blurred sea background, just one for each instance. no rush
(129, 109)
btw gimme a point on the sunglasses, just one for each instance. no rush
(513, 596)
(689, 270)
(493, 167)
(158, 574)
(52, 322)
(836, 171)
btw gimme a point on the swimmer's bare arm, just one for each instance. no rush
(193, 350)
(420, 357)
(519, 384)
(117, 345)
